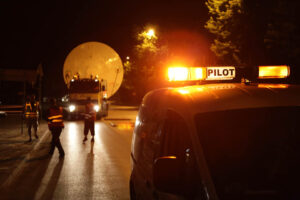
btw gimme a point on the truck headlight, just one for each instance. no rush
(96, 108)
(71, 108)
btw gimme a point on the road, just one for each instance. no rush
(98, 170)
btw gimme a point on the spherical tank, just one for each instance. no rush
(93, 59)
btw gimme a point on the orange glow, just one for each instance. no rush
(183, 91)
(190, 90)
(125, 126)
(272, 86)
(221, 87)
(186, 73)
(178, 73)
(150, 33)
(197, 73)
(281, 71)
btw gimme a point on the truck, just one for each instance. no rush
(94, 71)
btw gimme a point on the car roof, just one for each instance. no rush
(224, 96)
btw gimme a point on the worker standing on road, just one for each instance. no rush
(55, 125)
(89, 119)
(31, 112)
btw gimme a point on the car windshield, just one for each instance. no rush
(252, 153)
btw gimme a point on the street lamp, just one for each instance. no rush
(150, 33)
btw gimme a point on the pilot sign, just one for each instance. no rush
(220, 73)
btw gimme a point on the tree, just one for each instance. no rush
(143, 70)
(282, 38)
(223, 21)
(254, 32)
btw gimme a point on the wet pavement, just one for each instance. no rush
(13, 143)
(98, 170)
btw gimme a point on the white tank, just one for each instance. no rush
(95, 59)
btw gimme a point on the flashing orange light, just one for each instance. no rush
(197, 73)
(186, 73)
(267, 72)
(178, 73)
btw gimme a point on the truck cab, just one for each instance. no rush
(78, 93)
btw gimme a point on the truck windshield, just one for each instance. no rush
(252, 153)
(84, 86)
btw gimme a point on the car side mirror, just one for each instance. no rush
(166, 174)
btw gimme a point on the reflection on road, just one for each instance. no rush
(90, 170)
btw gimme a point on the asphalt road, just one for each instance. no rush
(98, 170)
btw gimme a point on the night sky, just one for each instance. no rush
(34, 32)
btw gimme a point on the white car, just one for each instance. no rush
(218, 141)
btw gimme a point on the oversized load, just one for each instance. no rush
(91, 70)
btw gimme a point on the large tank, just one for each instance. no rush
(95, 59)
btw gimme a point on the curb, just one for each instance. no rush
(19, 169)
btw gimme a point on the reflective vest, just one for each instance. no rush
(90, 113)
(55, 118)
(31, 110)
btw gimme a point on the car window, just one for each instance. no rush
(176, 141)
(252, 151)
(175, 137)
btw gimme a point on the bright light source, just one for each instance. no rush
(197, 73)
(96, 108)
(127, 58)
(186, 73)
(72, 80)
(201, 73)
(96, 80)
(150, 33)
(178, 73)
(281, 71)
(72, 108)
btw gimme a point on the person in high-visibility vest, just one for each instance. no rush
(55, 125)
(89, 120)
(31, 114)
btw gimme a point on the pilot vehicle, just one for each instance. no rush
(218, 140)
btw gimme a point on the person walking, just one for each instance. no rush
(31, 112)
(55, 125)
(89, 119)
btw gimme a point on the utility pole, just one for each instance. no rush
(40, 75)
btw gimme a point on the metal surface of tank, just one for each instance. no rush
(95, 59)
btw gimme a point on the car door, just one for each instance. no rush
(175, 140)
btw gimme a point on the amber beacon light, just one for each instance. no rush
(270, 72)
(185, 73)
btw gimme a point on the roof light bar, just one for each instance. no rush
(271, 72)
(178, 73)
(201, 73)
